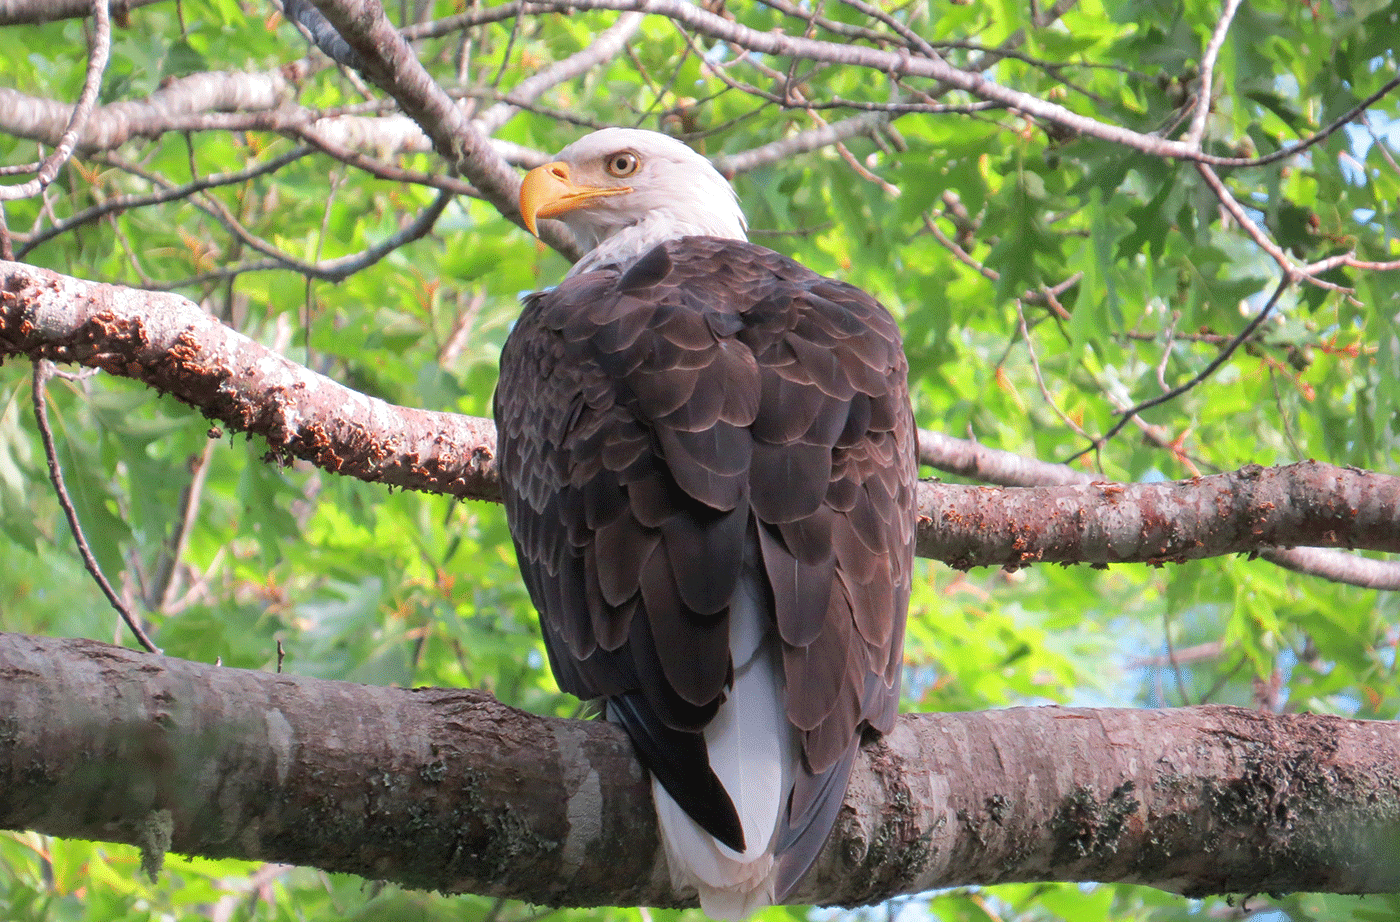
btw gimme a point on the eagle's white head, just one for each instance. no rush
(623, 190)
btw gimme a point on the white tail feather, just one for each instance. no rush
(753, 750)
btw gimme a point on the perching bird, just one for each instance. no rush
(708, 462)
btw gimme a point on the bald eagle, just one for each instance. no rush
(707, 459)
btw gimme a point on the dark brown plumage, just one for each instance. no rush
(715, 410)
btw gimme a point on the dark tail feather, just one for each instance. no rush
(812, 809)
(679, 760)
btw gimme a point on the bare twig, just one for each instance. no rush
(1220, 359)
(380, 169)
(1039, 380)
(1197, 131)
(437, 28)
(602, 49)
(97, 65)
(904, 64)
(1380, 144)
(800, 143)
(1291, 270)
(158, 593)
(1046, 294)
(335, 270)
(331, 270)
(120, 203)
(911, 38)
(1171, 657)
(468, 308)
(43, 370)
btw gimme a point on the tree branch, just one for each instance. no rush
(1244, 511)
(902, 63)
(43, 370)
(392, 65)
(169, 343)
(101, 47)
(1197, 131)
(120, 203)
(608, 44)
(991, 465)
(20, 12)
(423, 786)
(116, 123)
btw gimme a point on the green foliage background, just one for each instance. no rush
(363, 584)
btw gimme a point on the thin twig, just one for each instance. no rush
(911, 38)
(381, 170)
(121, 203)
(1047, 294)
(1291, 270)
(43, 370)
(1171, 657)
(87, 99)
(1224, 356)
(1197, 131)
(1365, 120)
(334, 270)
(602, 49)
(1039, 379)
(158, 594)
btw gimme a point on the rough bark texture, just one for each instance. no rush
(449, 789)
(1311, 504)
(172, 345)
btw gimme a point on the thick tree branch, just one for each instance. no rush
(1244, 511)
(1003, 468)
(115, 123)
(423, 787)
(169, 343)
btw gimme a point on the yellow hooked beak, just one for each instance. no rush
(548, 192)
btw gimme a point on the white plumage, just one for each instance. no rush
(753, 750)
(674, 193)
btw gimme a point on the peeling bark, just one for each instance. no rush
(448, 789)
(1244, 511)
(169, 343)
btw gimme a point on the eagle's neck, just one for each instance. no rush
(619, 246)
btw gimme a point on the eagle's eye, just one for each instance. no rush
(622, 163)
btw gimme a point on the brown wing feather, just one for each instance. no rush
(653, 424)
